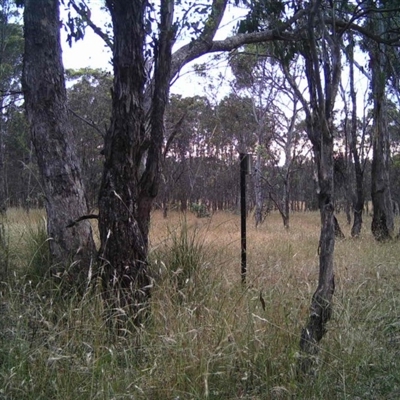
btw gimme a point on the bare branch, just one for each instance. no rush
(204, 44)
(90, 123)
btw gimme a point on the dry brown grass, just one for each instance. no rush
(208, 337)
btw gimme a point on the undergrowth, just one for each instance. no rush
(208, 337)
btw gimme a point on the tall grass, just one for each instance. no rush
(208, 336)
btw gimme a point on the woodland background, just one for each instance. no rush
(146, 300)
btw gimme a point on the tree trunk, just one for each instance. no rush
(286, 193)
(123, 251)
(382, 222)
(358, 203)
(3, 192)
(258, 214)
(129, 184)
(321, 304)
(338, 231)
(51, 134)
(319, 116)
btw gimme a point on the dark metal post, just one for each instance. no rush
(243, 172)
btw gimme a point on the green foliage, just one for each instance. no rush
(263, 14)
(200, 210)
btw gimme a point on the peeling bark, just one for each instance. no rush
(132, 152)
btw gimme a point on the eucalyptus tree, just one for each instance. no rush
(288, 139)
(23, 190)
(51, 134)
(319, 48)
(276, 114)
(322, 60)
(356, 131)
(237, 122)
(133, 144)
(382, 222)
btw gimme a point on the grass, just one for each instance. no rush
(208, 337)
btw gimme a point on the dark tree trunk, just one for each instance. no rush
(258, 214)
(321, 304)
(123, 249)
(51, 134)
(338, 231)
(382, 222)
(3, 192)
(129, 184)
(286, 200)
(358, 203)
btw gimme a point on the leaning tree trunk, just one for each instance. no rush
(382, 222)
(321, 304)
(319, 117)
(129, 184)
(51, 134)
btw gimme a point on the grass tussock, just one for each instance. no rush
(208, 337)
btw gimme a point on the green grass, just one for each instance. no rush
(208, 337)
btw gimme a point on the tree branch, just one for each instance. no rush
(84, 217)
(84, 13)
(90, 123)
(204, 44)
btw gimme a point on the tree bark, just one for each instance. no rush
(258, 214)
(3, 192)
(132, 156)
(51, 134)
(382, 221)
(358, 203)
(323, 68)
(286, 199)
(123, 251)
(321, 303)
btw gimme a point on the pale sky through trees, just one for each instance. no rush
(92, 52)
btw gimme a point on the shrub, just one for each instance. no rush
(200, 210)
